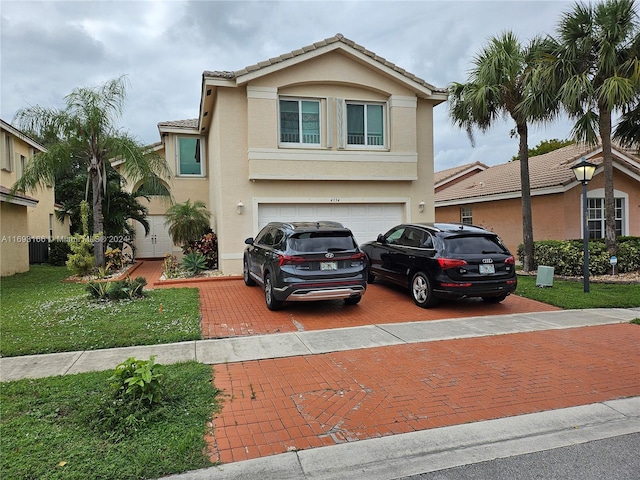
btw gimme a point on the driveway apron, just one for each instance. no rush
(277, 405)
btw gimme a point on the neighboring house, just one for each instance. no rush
(26, 217)
(327, 132)
(445, 178)
(491, 198)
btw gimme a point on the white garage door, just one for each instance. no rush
(365, 220)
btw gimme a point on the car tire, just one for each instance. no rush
(422, 291)
(246, 276)
(353, 300)
(494, 299)
(272, 302)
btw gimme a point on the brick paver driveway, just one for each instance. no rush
(276, 405)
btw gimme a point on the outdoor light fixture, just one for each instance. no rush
(421, 207)
(584, 173)
(240, 208)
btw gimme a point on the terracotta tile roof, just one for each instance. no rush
(550, 170)
(328, 41)
(190, 123)
(444, 175)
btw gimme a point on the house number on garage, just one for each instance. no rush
(335, 200)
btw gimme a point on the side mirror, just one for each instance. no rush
(381, 239)
(249, 241)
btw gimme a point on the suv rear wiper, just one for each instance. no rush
(336, 249)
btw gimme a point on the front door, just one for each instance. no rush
(158, 243)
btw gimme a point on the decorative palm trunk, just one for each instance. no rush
(527, 220)
(609, 198)
(96, 204)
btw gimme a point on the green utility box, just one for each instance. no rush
(545, 276)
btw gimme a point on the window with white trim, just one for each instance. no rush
(595, 215)
(190, 156)
(300, 121)
(466, 215)
(365, 124)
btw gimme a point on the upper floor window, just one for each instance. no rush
(190, 154)
(7, 152)
(596, 221)
(466, 215)
(365, 124)
(300, 121)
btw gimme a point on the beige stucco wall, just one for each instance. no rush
(14, 250)
(243, 146)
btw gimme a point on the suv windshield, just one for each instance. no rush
(473, 244)
(314, 242)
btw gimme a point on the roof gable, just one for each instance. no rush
(238, 77)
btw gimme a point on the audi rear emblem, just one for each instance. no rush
(329, 255)
(487, 260)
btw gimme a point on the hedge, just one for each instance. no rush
(566, 256)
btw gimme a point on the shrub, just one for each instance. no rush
(567, 256)
(139, 380)
(80, 261)
(118, 290)
(193, 263)
(207, 246)
(171, 266)
(59, 251)
(114, 259)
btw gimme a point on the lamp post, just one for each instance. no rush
(584, 173)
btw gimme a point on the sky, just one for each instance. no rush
(48, 48)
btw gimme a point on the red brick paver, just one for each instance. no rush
(273, 406)
(229, 308)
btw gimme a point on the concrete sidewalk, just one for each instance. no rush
(258, 347)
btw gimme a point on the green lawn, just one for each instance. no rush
(55, 428)
(570, 294)
(40, 313)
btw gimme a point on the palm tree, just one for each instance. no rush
(498, 87)
(595, 71)
(187, 221)
(85, 132)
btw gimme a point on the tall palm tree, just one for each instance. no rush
(596, 73)
(85, 131)
(497, 88)
(187, 221)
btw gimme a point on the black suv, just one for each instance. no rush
(443, 260)
(303, 261)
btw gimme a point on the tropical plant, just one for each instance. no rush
(141, 380)
(595, 72)
(193, 263)
(80, 260)
(207, 246)
(85, 133)
(187, 221)
(497, 87)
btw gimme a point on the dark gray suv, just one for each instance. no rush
(304, 261)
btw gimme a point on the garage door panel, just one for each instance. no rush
(366, 221)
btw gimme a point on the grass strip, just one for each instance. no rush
(570, 294)
(40, 313)
(50, 428)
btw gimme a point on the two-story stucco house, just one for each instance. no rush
(327, 132)
(24, 216)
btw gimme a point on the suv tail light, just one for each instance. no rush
(289, 259)
(510, 261)
(451, 263)
(357, 256)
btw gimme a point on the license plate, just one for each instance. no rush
(487, 269)
(328, 265)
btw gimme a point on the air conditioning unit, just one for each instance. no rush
(545, 276)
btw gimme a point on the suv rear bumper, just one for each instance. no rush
(313, 294)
